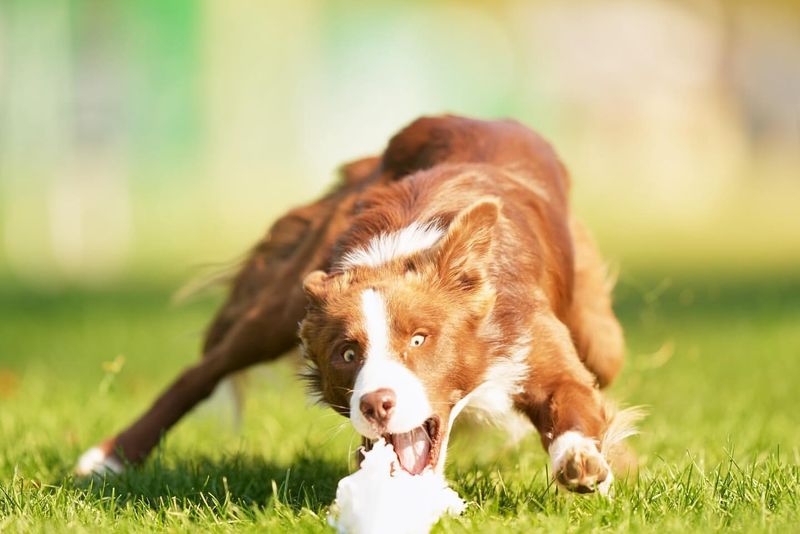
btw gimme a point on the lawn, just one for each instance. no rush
(716, 360)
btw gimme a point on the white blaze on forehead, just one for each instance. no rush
(376, 323)
(387, 247)
(382, 370)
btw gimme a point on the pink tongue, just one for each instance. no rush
(412, 450)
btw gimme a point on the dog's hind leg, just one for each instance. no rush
(257, 323)
(595, 329)
(261, 332)
(263, 336)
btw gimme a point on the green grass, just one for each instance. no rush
(716, 361)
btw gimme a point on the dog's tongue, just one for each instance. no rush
(412, 450)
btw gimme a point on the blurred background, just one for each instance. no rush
(139, 140)
(147, 143)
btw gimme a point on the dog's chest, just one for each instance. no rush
(492, 401)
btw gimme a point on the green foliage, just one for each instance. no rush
(715, 361)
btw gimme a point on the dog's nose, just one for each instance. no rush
(378, 406)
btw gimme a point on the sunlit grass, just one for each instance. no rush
(715, 361)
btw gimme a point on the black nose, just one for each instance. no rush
(378, 406)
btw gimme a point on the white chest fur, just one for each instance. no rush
(492, 401)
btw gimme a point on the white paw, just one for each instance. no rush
(578, 465)
(96, 461)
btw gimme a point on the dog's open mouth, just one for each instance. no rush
(418, 448)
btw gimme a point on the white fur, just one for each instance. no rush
(568, 444)
(492, 400)
(376, 323)
(96, 462)
(382, 370)
(622, 425)
(564, 443)
(387, 247)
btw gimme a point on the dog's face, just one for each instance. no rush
(395, 346)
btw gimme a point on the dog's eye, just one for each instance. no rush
(417, 340)
(349, 354)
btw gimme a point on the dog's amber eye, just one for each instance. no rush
(417, 340)
(349, 355)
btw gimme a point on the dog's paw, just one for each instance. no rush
(578, 465)
(99, 460)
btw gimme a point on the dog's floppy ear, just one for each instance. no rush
(315, 286)
(464, 254)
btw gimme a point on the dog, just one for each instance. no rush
(446, 274)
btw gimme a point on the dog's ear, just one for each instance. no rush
(465, 253)
(315, 286)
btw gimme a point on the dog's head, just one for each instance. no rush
(395, 343)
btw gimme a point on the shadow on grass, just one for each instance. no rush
(244, 481)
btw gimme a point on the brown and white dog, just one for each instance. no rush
(446, 274)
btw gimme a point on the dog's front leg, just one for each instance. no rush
(562, 401)
(573, 423)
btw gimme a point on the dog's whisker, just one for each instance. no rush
(333, 433)
(350, 455)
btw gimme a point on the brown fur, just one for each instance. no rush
(514, 264)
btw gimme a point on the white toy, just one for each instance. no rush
(382, 497)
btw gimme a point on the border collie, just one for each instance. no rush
(446, 274)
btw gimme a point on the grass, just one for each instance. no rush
(717, 362)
